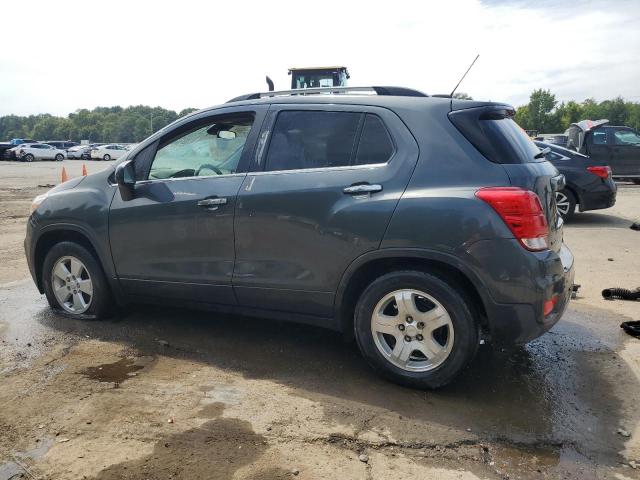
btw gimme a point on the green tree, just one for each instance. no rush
(541, 103)
(462, 96)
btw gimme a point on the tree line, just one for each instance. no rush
(133, 124)
(102, 124)
(546, 115)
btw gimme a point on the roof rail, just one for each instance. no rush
(387, 91)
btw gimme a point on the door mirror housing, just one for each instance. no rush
(126, 179)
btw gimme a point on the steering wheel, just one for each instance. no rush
(209, 167)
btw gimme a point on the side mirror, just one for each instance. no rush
(126, 179)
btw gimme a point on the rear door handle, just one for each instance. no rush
(362, 188)
(212, 203)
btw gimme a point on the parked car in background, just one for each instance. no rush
(618, 146)
(4, 147)
(29, 152)
(61, 144)
(82, 152)
(9, 152)
(108, 152)
(20, 141)
(589, 185)
(333, 210)
(559, 139)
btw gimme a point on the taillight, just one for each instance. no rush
(522, 212)
(602, 172)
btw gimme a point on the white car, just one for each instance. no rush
(108, 152)
(79, 151)
(28, 152)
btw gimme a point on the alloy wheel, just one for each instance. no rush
(562, 202)
(412, 330)
(72, 285)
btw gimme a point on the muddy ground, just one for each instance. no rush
(157, 393)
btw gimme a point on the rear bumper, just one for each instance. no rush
(519, 283)
(597, 200)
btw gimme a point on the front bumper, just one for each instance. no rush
(518, 284)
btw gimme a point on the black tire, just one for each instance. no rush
(28, 158)
(106, 157)
(454, 301)
(568, 199)
(101, 301)
(59, 157)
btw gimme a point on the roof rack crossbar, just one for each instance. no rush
(391, 91)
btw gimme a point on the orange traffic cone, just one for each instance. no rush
(65, 177)
(84, 170)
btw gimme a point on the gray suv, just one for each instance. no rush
(419, 225)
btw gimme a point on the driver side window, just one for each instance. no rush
(204, 149)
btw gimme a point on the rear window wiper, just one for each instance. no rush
(543, 153)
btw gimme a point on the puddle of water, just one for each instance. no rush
(224, 394)
(116, 372)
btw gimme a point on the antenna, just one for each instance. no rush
(269, 84)
(465, 74)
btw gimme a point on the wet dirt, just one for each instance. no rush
(235, 397)
(116, 372)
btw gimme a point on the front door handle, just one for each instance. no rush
(212, 203)
(362, 188)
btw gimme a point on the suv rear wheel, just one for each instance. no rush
(416, 329)
(74, 282)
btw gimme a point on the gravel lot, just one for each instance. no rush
(163, 393)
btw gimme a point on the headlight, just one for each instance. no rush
(38, 201)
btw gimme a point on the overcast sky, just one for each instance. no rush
(59, 56)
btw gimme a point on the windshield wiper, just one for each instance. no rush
(543, 153)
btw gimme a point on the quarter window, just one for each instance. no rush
(375, 143)
(209, 149)
(312, 139)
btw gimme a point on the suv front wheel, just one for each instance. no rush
(74, 282)
(416, 329)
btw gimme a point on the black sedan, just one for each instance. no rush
(589, 185)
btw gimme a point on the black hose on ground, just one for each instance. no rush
(621, 293)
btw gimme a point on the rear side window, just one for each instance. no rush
(321, 139)
(599, 137)
(312, 139)
(375, 144)
(496, 135)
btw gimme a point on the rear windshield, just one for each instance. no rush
(500, 140)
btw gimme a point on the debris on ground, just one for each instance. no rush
(363, 458)
(164, 343)
(623, 432)
(295, 471)
(635, 226)
(621, 294)
(632, 328)
(610, 259)
(170, 420)
(574, 290)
